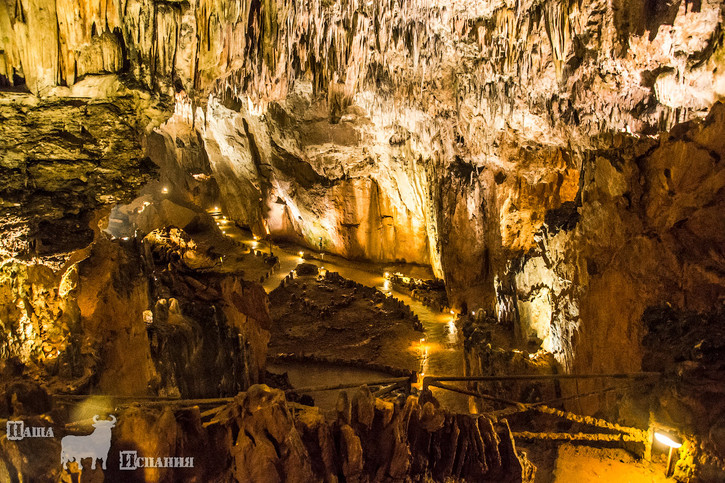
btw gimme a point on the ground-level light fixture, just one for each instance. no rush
(673, 443)
(216, 208)
(164, 190)
(473, 312)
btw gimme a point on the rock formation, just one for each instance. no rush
(64, 158)
(557, 163)
(335, 318)
(259, 437)
(134, 319)
(419, 132)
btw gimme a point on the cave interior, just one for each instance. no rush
(362, 241)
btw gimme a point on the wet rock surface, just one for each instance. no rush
(329, 317)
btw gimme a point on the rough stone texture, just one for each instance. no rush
(64, 158)
(489, 350)
(210, 330)
(330, 317)
(132, 318)
(551, 160)
(644, 230)
(259, 437)
(688, 347)
(305, 95)
(531, 65)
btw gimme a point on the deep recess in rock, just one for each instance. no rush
(556, 164)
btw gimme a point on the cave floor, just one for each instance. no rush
(332, 318)
(441, 352)
(569, 462)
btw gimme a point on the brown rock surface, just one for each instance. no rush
(66, 158)
(259, 437)
(557, 163)
(331, 317)
(131, 318)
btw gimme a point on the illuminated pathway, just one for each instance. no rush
(440, 351)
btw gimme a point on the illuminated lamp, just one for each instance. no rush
(164, 190)
(673, 443)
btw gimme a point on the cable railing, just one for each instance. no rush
(617, 433)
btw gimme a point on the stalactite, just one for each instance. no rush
(556, 16)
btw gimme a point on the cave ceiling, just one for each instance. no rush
(537, 155)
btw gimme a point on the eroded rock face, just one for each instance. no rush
(132, 318)
(258, 437)
(209, 331)
(644, 231)
(510, 145)
(64, 159)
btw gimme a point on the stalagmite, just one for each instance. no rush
(522, 196)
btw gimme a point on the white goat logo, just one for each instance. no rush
(95, 445)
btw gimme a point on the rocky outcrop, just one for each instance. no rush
(37, 319)
(259, 437)
(209, 331)
(64, 159)
(134, 318)
(642, 231)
